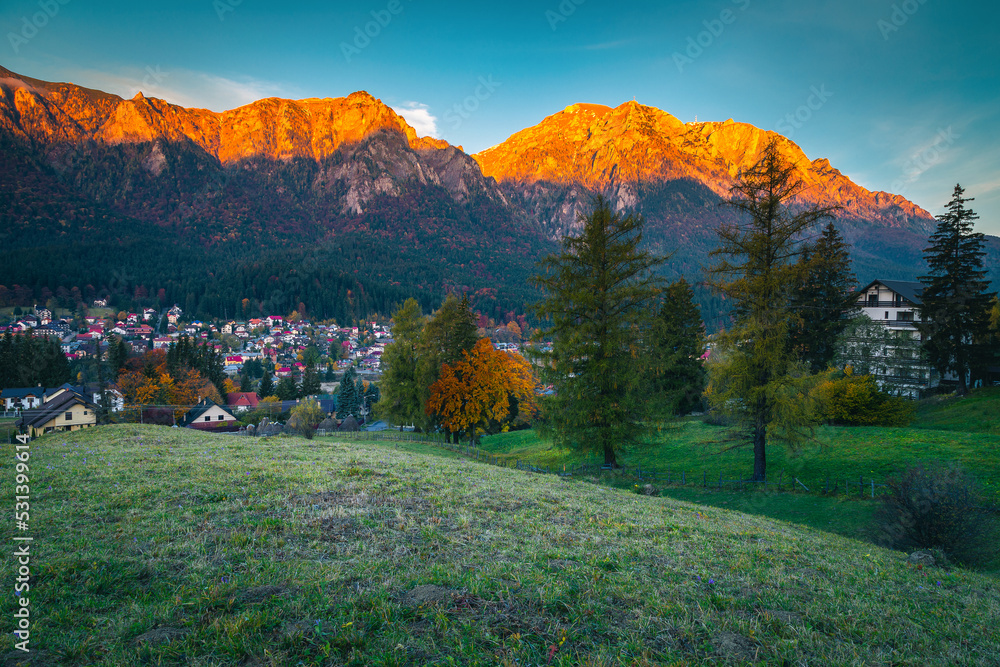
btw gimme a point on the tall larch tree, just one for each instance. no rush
(601, 298)
(400, 387)
(754, 373)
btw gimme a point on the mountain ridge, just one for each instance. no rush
(346, 184)
(606, 149)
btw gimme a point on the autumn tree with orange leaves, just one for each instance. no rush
(477, 391)
(147, 381)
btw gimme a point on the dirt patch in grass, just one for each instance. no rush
(159, 636)
(735, 648)
(261, 594)
(425, 595)
(305, 628)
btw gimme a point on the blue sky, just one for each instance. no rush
(902, 96)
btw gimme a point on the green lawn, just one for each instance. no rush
(977, 413)
(165, 546)
(843, 454)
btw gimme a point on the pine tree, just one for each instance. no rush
(823, 299)
(266, 386)
(600, 297)
(310, 382)
(8, 362)
(400, 382)
(678, 344)
(347, 397)
(117, 356)
(286, 389)
(956, 305)
(752, 375)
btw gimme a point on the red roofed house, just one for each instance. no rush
(242, 401)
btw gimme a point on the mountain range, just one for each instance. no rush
(337, 208)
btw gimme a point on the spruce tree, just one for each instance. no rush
(347, 398)
(601, 294)
(310, 382)
(266, 386)
(286, 389)
(823, 299)
(753, 369)
(956, 304)
(678, 344)
(8, 362)
(117, 356)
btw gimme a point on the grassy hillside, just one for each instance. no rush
(165, 546)
(978, 412)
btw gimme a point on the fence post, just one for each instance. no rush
(720, 481)
(861, 486)
(827, 490)
(704, 479)
(873, 488)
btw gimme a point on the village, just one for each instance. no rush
(272, 346)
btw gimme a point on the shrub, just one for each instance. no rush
(935, 505)
(305, 417)
(856, 400)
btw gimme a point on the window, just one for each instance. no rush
(887, 314)
(84, 413)
(221, 417)
(69, 416)
(209, 418)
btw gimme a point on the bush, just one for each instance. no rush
(935, 506)
(305, 417)
(856, 400)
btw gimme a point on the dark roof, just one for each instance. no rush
(197, 411)
(911, 291)
(22, 392)
(42, 415)
(35, 391)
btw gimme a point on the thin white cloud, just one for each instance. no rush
(420, 119)
(180, 86)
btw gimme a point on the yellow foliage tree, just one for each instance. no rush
(477, 390)
(856, 400)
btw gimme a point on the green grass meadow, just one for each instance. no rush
(159, 546)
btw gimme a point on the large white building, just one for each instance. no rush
(895, 304)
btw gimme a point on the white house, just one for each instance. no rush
(895, 304)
